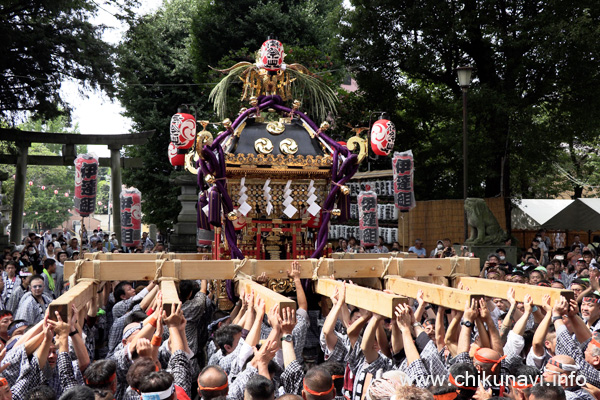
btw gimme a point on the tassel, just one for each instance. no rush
(214, 204)
(202, 220)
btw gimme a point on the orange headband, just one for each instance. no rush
(341, 376)
(488, 360)
(3, 382)
(445, 396)
(109, 380)
(307, 390)
(516, 385)
(460, 385)
(595, 342)
(213, 389)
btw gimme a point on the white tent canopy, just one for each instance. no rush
(534, 213)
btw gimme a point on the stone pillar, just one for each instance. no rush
(183, 238)
(115, 182)
(4, 208)
(16, 221)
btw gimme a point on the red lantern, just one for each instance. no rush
(55, 191)
(36, 213)
(131, 217)
(86, 168)
(383, 135)
(66, 194)
(183, 130)
(30, 183)
(271, 55)
(176, 159)
(43, 187)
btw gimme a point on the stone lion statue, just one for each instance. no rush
(485, 228)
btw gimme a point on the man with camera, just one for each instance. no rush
(492, 262)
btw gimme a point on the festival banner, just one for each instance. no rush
(403, 168)
(86, 169)
(131, 217)
(369, 225)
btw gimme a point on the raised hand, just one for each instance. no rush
(470, 310)
(527, 303)
(288, 321)
(546, 303)
(295, 272)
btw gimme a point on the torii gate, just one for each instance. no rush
(23, 140)
(401, 275)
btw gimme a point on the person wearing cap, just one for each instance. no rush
(518, 276)
(535, 276)
(580, 286)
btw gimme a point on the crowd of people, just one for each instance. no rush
(123, 345)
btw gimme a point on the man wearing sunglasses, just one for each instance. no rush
(34, 303)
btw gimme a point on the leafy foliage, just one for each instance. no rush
(45, 42)
(536, 72)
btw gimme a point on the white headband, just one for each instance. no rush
(165, 394)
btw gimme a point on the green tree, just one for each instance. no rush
(45, 42)
(527, 97)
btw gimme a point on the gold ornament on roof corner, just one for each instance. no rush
(288, 146)
(269, 75)
(204, 137)
(263, 146)
(232, 215)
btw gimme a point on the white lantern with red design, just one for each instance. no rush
(86, 169)
(383, 135)
(131, 217)
(183, 130)
(271, 55)
(240, 222)
(176, 159)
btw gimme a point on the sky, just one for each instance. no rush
(95, 113)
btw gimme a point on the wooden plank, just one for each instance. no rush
(170, 296)
(369, 256)
(436, 280)
(369, 299)
(493, 288)
(270, 297)
(413, 267)
(275, 269)
(78, 295)
(434, 294)
(149, 256)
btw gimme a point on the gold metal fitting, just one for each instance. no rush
(324, 125)
(242, 110)
(336, 212)
(296, 105)
(226, 123)
(345, 190)
(209, 179)
(232, 215)
(253, 101)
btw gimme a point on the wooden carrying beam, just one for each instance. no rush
(493, 288)
(151, 256)
(270, 297)
(170, 295)
(369, 256)
(432, 293)
(372, 300)
(276, 269)
(79, 295)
